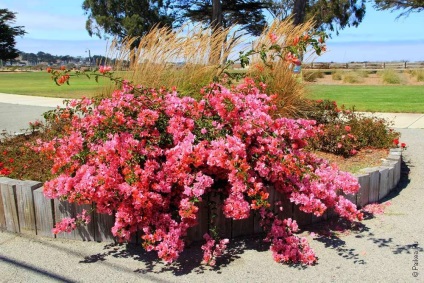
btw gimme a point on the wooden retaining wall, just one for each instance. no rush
(24, 209)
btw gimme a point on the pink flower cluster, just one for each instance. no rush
(212, 249)
(65, 225)
(287, 247)
(151, 157)
(376, 208)
(105, 69)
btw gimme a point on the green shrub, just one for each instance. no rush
(337, 76)
(312, 76)
(363, 73)
(419, 74)
(345, 131)
(390, 76)
(352, 78)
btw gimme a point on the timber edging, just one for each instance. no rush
(24, 208)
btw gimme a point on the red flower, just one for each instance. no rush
(347, 128)
(403, 145)
(63, 68)
(396, 142)
(296, 40)
(11, 160)
(49, 70)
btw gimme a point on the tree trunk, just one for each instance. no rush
(216, 25)
(299, 11)
(216, 14)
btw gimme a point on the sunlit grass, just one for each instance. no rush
(402, 98)
(40, 84)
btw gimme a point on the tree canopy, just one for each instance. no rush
(328, 15)
(126, 18)
(407, 6)
(247, 13)
(8, 32)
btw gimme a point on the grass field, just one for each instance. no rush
(40, 84)
(381, 98)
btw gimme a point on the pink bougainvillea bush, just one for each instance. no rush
(151, 157)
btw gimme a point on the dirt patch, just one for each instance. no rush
(364, 158)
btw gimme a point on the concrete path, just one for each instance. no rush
(31, 100)
(403, 120)
(30, 108)
(386, 248)
(16, 111)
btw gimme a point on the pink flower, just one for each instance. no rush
(273, 37)
(105, 69)
(153, 158)
(347, 128)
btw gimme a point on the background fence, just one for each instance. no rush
(365, 65)
(25, 209)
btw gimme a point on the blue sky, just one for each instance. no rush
(58, 27)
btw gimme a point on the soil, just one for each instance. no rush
(364, 158)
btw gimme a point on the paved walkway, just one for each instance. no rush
(400, 120)
(31, 100)
(387, 248)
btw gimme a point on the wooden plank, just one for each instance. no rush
(242, 227)
(374, 176)
(8, 192)
(43, 214)
(64, 209)
(363, 195)
(2, 214)
(301, 217)
(384, 182)
(222, 223)
(85, 232)
(25, 205)
(286, 204)
(196, 233)
(103, 224)
(397, 158)
(351, 197)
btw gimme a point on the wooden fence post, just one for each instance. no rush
(43, 214)
(8, 194)
(63, 209)
(2, 213)
(25, 206)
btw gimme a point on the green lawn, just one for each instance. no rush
(40, 84)
(397, 98)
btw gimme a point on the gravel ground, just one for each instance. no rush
(386, 248)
